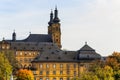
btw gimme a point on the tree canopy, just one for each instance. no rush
(24, 74)
(104, 70)
(5, 67)
(10, 55)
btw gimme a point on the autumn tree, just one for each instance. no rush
(116, 55)
(10, 55)
(24, 74)
(117, 75)
(114, 61)
(103, 70)
(105, 73)
(88, 76)
(5, 67)
(96, 65)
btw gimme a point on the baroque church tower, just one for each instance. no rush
(54, 28)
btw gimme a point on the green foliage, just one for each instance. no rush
(75, 78)
(105, 73)
(5, 67)
(89, 76)
(117, 75)
(98, 71)
(10, 55)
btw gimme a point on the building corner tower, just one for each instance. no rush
(54, 28)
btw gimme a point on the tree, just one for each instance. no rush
(114, 61)
(24, 74)
(88, 76)
(117, 56)
(98, 71)
(75, 78)
(105, 73)
(96, 65)
(10, 55)
(117, 75)
(5, 67)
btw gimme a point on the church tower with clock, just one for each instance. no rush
(54, 28)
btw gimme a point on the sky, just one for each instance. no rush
(96, 22)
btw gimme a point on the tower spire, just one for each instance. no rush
(55, 7)
(51, 18)
(54, 28)
(14, 36)
(56, 19)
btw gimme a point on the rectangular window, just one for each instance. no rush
(34, 72)
(61, 78)
(54, 65)
(16, 53)
(30, 59)
(21, 59)
(68, 72)
(47, 78)
(68, 78)
(25, 53)
(7, 47)
(68, 69)
(41, 79)
(47, 65)
(74, 73)
(41, 72)
(68, 66)
(47, 72)
(25, 60)
(3, 47)
(61, 65)
(41, 65)
(29, 53)
(74, 65)
(54, 72)
(61, 72)
(54, 78)
(20, 53)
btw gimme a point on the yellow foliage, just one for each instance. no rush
(24, 74)
(114, 61)
(5, 67)
(116, 54)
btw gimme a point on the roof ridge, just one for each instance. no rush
(86, 48)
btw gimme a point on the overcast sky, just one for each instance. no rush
(94, 21)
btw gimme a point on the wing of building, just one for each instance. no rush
(43, 53)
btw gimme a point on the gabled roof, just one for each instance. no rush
(86, 52)
(86, 48)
